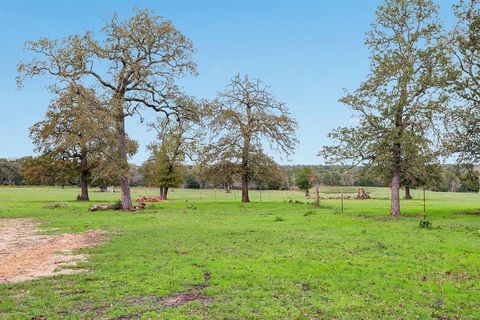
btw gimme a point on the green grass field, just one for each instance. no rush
(269, 259)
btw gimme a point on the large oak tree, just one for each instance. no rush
(135, 62)
(463, 123)
(398, 105)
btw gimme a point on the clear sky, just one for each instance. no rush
(307, 51)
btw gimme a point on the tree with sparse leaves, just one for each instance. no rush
(135, 63)
(399, 104)
(243, 117)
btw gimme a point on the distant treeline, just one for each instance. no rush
(29, 171)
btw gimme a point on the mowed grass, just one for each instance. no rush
(269, 259)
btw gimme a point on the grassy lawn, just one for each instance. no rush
(264, 260)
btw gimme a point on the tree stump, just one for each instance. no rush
(362, 194)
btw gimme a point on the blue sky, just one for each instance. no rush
(306, 51)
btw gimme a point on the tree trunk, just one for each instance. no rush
(122, 156)
(408, 196)
(162, 193)
(165, 193)
(84, 177)
(395, 193)
(227, 188)
(397, 143)
(307, 193)
(245, 197)
(244, 178)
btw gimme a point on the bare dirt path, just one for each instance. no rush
(25, 254)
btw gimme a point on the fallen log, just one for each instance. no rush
(98, 207)
(150, 199)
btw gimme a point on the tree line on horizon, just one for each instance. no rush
(419, 104)
(44, 171)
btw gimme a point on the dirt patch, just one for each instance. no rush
(183, 298)
(156, 304)
(26, 254)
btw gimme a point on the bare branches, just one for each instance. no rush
(244, 118)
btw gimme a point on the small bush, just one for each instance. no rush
(278, 219)
(425, 224)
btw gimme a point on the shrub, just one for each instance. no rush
(425, 224)
(117, 205)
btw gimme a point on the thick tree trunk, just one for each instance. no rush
(122, 156)
(307, 193)
(408, 196)
(245, 155)
(395, 193)
(227, 188)
(84, 177)
(165, 193)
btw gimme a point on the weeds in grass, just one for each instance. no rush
(381, 245)
(310, 212)
(192, 207)
(117, 205)
(56, 205)
(278, 219)
(295, 202)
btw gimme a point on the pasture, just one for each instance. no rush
(269, 259)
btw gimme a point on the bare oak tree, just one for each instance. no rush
(136, 64)
(245, 117)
